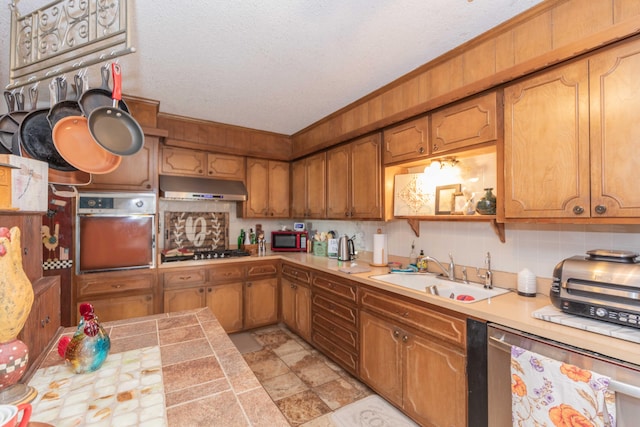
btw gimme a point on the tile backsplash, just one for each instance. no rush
(538, 247)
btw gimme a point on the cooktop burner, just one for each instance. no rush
(205, 254)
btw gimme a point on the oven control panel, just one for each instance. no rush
(116, 203)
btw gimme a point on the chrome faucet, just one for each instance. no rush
(450, 273)
(488, 276)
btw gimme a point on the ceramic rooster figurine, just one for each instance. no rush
(90, 345)
(16, 292)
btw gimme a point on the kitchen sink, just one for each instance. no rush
(440, 286)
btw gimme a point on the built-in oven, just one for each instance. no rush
(624, 377)
(115, 231)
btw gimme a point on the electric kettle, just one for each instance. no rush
(346, 250)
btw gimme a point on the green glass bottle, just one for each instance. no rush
(487, 205)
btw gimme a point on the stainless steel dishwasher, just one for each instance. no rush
(625, 377)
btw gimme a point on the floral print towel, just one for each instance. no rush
(549, 393)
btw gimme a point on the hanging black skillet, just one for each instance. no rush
(36, 139)
(65, 107)
(114, 129)
(100, 96)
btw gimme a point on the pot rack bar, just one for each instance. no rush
(66, 36)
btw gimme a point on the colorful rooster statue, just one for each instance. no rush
(90, 345)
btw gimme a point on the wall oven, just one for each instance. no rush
(625, 377)
(115, 231)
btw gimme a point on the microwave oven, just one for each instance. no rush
(289, 241)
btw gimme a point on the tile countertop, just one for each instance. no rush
(181, 362)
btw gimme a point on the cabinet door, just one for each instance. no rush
(257, 204)
(381, 357)
(299, 189)
(338, 182)
(261, 303)
(366, 181)
(408, 141)
(181, 161)
(303, 311)
(546, 145)
(278, 189)
(614, 131)
(288, 302)
(434, 378)
(183, 299)
(136, 172)
(316, 186)
(122, 307)
(224, 166)
(225, 301)
(464, 124)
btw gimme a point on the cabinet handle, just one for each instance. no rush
(396, 333)
(185, 277)
(249, 284)
(421, 150)
(405, 338)
(209, 290)
(201, 290)
(435, 147)
(405, 314)
(600, 209)
(578, 210)
(118, 286)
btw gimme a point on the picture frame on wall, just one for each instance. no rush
(444, 198)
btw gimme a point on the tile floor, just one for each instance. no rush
(306, 385)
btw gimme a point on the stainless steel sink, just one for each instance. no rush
(461, 292)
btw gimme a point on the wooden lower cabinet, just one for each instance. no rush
(117, 295)
(226, 303)
(420, 373)
(295, 300)
(260, 303)
(44, 319)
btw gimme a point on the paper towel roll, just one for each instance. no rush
(380, 249)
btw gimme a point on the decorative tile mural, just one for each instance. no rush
(196, 230)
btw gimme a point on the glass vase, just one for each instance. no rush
(487, 205)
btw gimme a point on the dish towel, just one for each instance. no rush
(546, 392)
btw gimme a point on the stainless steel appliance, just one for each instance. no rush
(603, 285)
(192, 188)
(115, 231)
(625, 378)
(346, 250)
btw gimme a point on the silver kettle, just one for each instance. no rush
(346, 249)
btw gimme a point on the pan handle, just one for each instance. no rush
(10, 98)
(104, 73)
(19, 100)
(33, 97)
(117, 83)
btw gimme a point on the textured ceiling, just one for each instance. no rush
(281, 65)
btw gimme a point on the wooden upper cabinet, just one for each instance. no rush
(224, 166)
(570, 137)
(546, 140)
(354, 183)
(138, 172)
(268, 188)
(182, 161)
(614, 105)
(464, 124)
(308, 190)
(408, 141)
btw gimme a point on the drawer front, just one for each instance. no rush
(335, 287)
(331, 329)
(334, 309)
(436, 323)
(179, 278)
(116, 285)
(226, 273)
(256, 270)
(296, 273)
(346, 359)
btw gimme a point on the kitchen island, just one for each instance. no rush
(174, 369)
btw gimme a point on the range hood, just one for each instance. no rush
(191, 188)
